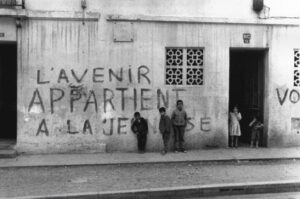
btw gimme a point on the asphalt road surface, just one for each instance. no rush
(37, 181)
(292, 195)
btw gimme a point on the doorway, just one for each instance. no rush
(8, 93)
(246, 88)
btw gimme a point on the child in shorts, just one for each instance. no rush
(256, 126)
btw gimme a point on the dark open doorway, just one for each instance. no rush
(247, 85)
(8, 92)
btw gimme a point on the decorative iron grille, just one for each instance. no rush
(174, 57)
(174, 76)
(195, 57)
(12, 3)
(296, 78)
(194, 76)
(297, 58)
(296, 66)
(184, 66)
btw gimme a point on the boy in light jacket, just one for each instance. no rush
(179, 121)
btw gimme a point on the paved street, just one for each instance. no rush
(34, 181)
(292, 195)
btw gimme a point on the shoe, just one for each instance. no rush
(182, 150)
(176, 150)
(163, 152)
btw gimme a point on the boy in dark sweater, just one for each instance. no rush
(164, 128)
(139, 127)
(179, 121)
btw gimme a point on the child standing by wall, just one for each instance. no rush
(139, 127)
(179, 121)
(256, 126)
(234, 126)
(164, 128)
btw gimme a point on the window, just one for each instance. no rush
(184, 66)
(12, 3)
(296, 67)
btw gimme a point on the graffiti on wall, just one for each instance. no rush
(284, 95)
(120, 98)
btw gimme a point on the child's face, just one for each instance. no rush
(180, 105)
(162, 113)
(137, 117)
(235, 109)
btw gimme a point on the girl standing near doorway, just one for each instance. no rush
(234, 126)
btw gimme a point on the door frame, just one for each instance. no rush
(266, 89)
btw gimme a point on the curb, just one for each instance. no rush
(187, 191)
(8, 153)
(205, 161)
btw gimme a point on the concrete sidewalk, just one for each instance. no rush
(208, 155)
(185, 180)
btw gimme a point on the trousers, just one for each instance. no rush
(166, 137)
(141, 139)
(179, 136)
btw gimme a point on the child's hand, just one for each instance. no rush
(252, 122)
(132, 120)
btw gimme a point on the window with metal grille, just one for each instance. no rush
(12, 3)
(296, 67)
(184, 66)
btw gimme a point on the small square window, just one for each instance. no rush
(184, 66)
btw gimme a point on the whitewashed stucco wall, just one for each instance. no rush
(206, 105)
(53, 47)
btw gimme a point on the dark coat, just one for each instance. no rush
(165, 124)
(140, 126)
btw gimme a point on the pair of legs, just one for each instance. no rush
(165, 137)
(234, 140)
(255, 137)
(141, 139)
(179, 138)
